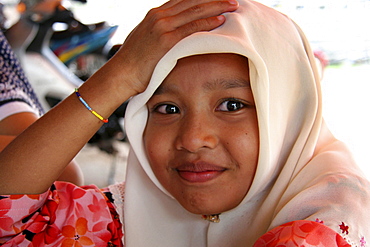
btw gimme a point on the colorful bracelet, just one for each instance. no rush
(105, 120)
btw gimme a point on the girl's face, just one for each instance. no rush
(202, 136)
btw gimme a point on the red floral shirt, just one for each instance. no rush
(67, 215)
(301, 233)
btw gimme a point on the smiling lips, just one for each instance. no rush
(199, 172)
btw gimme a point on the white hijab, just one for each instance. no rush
(302, 173)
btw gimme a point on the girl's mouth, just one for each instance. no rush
(199, 172)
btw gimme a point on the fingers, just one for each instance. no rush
(201, 17)
(198, 25)
(180, 12)
(162, 28)
(177, 19)
(184, 17)
(198, 11)
(175, 7)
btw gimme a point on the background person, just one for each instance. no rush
(19, 106)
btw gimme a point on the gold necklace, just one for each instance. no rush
(215, 218)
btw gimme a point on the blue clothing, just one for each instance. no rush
(14, 85)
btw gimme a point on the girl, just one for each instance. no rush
(229, 147)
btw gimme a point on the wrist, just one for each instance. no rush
(113, 83)
(128, 74)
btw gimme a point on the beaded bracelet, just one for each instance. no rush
(105, 120)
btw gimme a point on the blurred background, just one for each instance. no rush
(339, 32)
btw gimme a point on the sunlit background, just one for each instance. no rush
(339, 31)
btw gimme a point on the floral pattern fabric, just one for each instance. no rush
(301, 233)
(67, 215)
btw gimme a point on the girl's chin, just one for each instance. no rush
(206, 210)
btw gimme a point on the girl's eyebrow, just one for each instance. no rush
(221, 84)
(226, 84)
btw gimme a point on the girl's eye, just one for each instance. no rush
(167, 109)
(230, 105)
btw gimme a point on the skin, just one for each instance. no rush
(202, 135)
(12, 126)
(68, 126)
(45, 7)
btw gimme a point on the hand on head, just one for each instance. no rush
(162, 28)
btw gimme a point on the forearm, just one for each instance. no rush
(13, 125)
(16, 123)
(65, 130)
(5, 140)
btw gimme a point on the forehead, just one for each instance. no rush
(210, 71)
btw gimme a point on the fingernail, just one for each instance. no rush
(233, 2)
(221, 17)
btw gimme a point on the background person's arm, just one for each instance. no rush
(15, 124)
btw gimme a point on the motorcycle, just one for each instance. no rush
(45, 55)
(83, 48)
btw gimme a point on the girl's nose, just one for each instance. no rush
(196, 133)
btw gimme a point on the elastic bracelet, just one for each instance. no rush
(105, 120)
